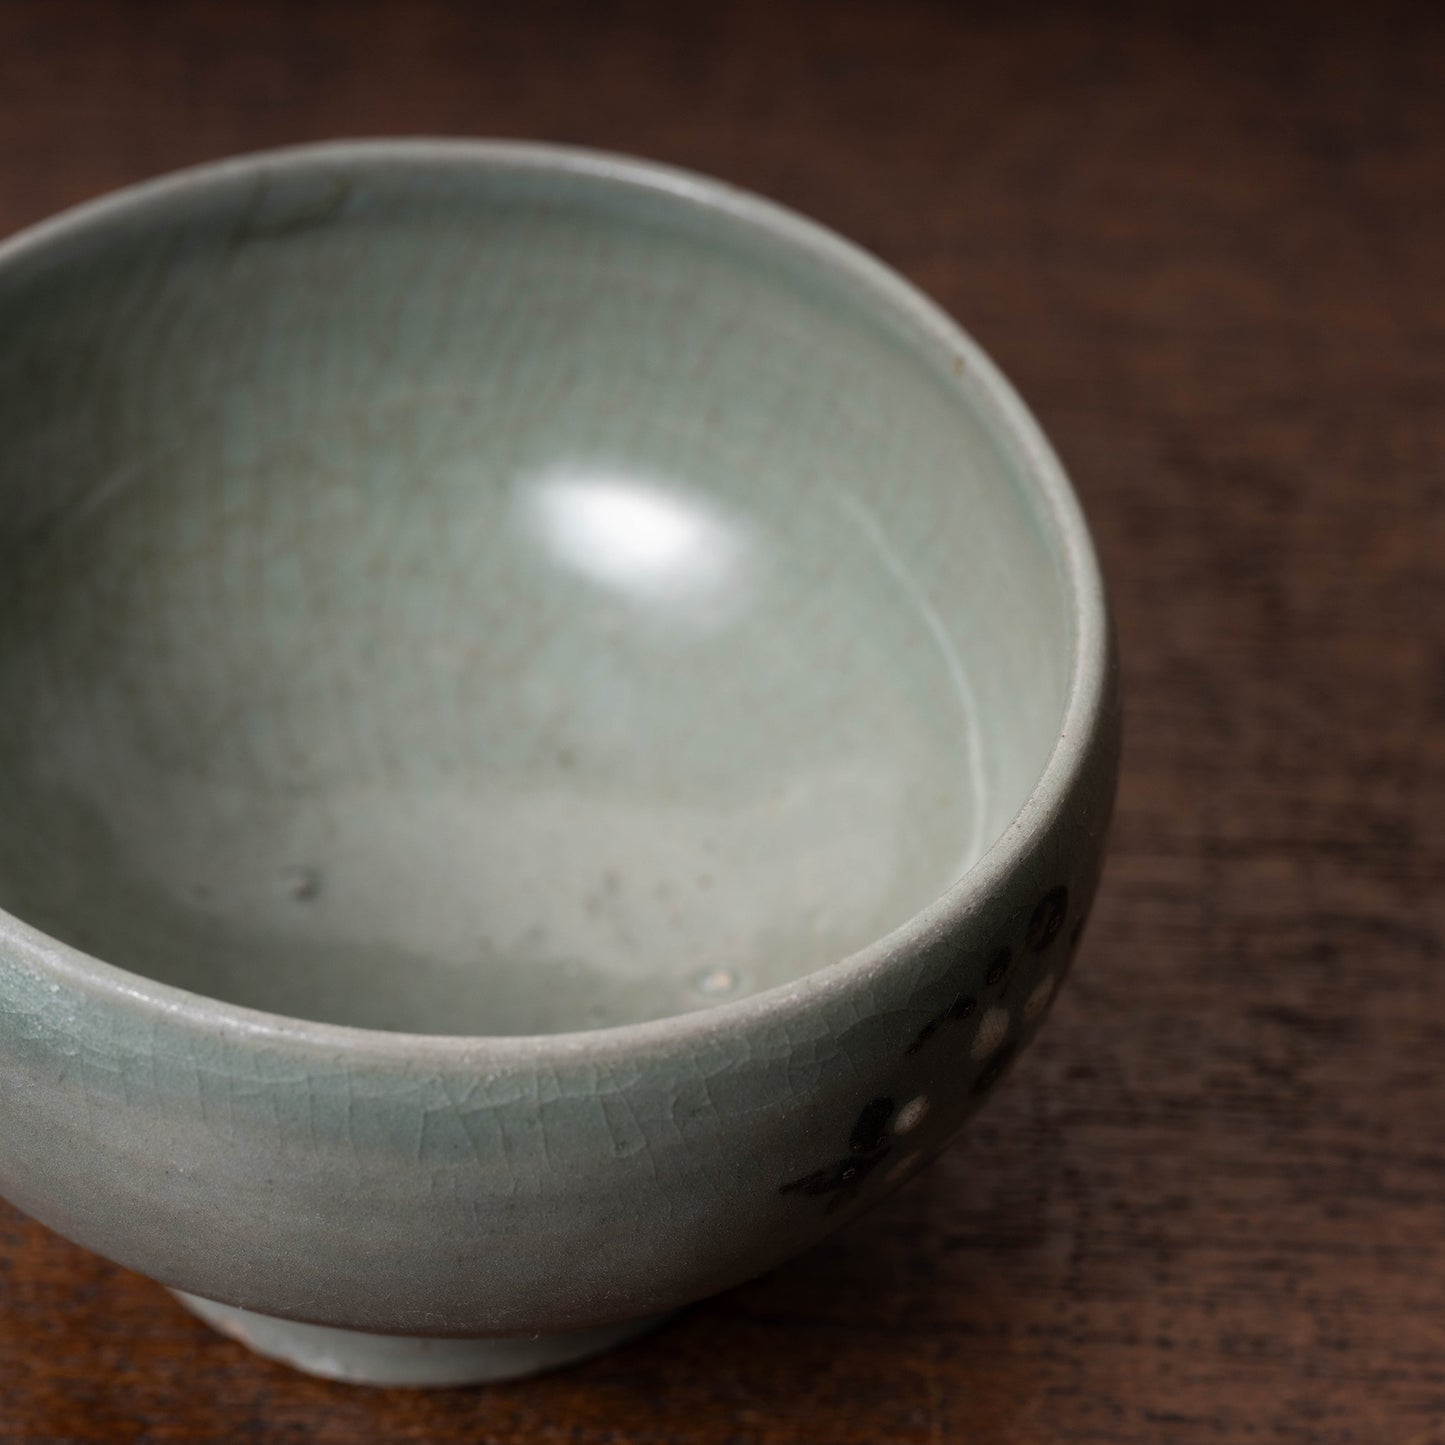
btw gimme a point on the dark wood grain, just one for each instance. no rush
(1209, 246)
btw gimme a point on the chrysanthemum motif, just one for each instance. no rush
(868, 1146)
(1047, 919)
(991, 1049)
(1045, 922)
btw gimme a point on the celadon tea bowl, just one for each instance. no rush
(557, 725)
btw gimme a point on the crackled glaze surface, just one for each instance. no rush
(487, 593)
(495, 606)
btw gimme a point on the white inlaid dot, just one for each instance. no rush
(910, 1116)
(1038, 1000)
(902, 1166)
(992, 1030)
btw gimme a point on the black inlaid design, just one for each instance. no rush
(1047, 919)
(870, 1133)
(999, 966)
(868, 1146)
(1044, 925)
(993, 1070)
(960, 1008)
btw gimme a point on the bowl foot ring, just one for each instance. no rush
(407, 1360)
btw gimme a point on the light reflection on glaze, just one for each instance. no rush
(652, 543)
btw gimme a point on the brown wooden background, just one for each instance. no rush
(1209, 246)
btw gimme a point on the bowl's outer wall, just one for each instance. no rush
(440, 1188)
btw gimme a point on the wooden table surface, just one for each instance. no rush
(1208, 244)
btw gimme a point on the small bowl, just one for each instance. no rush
(557, 724)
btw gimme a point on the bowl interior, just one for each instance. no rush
(479, 595)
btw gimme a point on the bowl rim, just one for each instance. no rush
(973, 374)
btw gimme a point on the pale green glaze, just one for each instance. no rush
(369, 1359)
(561, 608)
